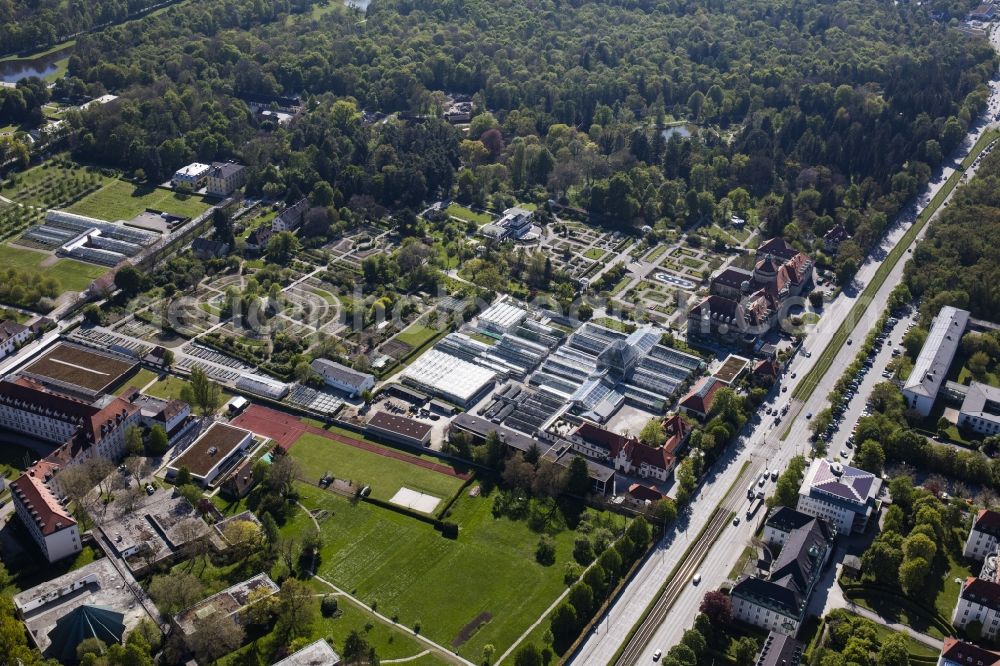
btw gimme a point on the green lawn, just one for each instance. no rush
(170, 389)
(947, 597)
(385, 475)
(621, 285)
(913, 646)
(72, 275)
(656, 253)
(325, 295)
(138, 380)
(595, 253)
(389, 642)
(895, 612)
(965, 376)
(121, 200)
(408, 568)
(416, 335)
(463, 213)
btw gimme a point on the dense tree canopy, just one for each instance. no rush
(809, 114)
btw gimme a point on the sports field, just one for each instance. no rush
(386, 476)
(484, 587)
(121, 200)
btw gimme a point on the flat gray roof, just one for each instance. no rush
(318, 653)
(938, 351)
(96, 584)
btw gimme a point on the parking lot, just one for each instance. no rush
(840, 439)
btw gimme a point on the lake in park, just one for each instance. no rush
(15, 69)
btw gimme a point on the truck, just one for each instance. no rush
(755, 505)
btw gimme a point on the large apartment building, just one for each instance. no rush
(779, 602)
(845, 496)
(44, 516)
(61, 398)
(931, 368)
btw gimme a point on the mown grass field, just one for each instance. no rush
(385, 475)
(407, 568)
(469, 215)
(416, 335)
(138, 380)
(170, 389)
(121, 200)
(72, 275)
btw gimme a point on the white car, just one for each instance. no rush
(657, 655)
(696, 579)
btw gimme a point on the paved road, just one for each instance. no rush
(761, 442)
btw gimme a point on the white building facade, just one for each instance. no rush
(50, 526)
(845, 496)
(979, 602)
(983, 537)
(12, 336)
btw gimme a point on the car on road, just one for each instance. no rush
(794, 375)
(809, 354)
(696, 579)
(843, 453)
(784, 389)
(774, 475)
(762, 480)
(809, 415)
(657, 655)
(736, 520)
(850, 341)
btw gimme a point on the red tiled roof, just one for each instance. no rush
(961, 652)
(596, 435)
(31, 491)
(94, 422)
(677, 430)
(768, 264)
(777, 246)
(766, 367)
(661, 457)
(987, 522)
(983, 592)
(700, 398)
(641, 492)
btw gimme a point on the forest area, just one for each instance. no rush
(958, 263)
(808, 115)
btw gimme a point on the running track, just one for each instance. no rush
(285, 429)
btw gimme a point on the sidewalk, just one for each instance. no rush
(836, 599)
